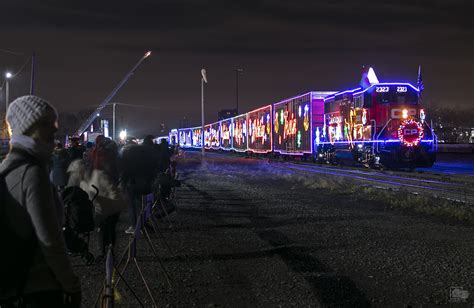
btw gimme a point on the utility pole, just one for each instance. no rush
(114, 114)
(238, 71)
(7, 93)
(203, 80)
(32, 81)
(8, 75)
(113, 121)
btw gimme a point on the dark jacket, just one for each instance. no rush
(138, 164)
(60, 163)
(164, 158)
(76, 152)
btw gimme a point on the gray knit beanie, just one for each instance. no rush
(27, 110)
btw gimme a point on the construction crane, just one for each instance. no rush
(102, 105)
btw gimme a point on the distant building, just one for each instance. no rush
(100, 126)
(226, 113)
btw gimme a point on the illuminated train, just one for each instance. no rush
(380, 124)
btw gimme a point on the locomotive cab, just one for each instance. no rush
(403, 138)
(382, 124)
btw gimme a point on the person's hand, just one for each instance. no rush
(72, 300)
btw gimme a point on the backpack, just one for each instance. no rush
(79, 210)
(16, 263)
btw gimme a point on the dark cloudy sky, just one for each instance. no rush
(84, 48)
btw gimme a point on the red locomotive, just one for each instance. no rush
(377, 124)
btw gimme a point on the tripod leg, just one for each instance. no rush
(155, 228)
(131, 241)
(175, 203)
(116, 267)
(166, 213)
(128, 286)
(125, 253)
(149, 242)
(157, 257)
(97, 299)
(173, 197)
(144, 282)
(173, 200)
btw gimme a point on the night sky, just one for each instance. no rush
(285, 48)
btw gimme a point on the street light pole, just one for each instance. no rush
(203, 80)
(238, 71)
(33, 63)
(8, 75)
(32, 77)
(6, 94)
(113, 120)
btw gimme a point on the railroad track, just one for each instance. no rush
(458, 191)
(452, 187)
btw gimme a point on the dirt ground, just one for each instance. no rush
(244, 236)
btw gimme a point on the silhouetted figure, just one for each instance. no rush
(138, 170)
(76, 150)
(109, 202)
(59, 164)
(165, 154)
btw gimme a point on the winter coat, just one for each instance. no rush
(164, 158)
(33, 205)
(110, 200)
(60, 163)
(139, 168)
(76, 172)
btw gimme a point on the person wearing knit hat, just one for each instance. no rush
(32, 122)
(26, 111)
(33, 212)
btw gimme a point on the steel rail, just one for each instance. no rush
(442, 189)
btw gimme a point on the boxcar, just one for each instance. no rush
(239, 133)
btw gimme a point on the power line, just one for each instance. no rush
(12, 52)
(133, 105)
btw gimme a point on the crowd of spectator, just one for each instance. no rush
(35, 172)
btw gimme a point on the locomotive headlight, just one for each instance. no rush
(404, 113)
(422, 115)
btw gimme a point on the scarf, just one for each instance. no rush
(36, 148)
